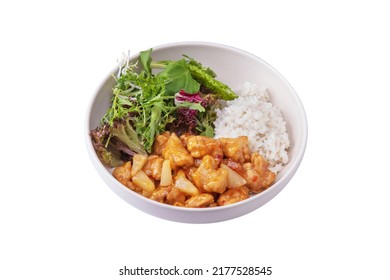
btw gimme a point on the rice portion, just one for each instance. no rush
(253, 115)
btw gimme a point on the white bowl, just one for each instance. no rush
(233, 67)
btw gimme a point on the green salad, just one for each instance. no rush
(180, 97)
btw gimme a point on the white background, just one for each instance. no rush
(60, 221)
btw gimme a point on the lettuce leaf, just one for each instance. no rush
(179, 78)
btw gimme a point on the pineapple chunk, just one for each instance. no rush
(141, 180)
(138, 163)
(166, 174)
(235, 180)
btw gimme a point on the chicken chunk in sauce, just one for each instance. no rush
(233, 195)
(257, 174)
(160, 142)
(176, 153)
(199, 201)
(123, 174)
(153, 166)
(209, 177)
(161, 193)
(200, 146)
(236, 148)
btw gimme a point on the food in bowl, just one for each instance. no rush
(182, 137)
(196, 171)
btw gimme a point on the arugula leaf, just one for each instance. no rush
(179, 78)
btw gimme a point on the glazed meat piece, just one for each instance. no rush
(233, 195)
(153, 166)
(175, 152)
(200, 200)
(160, 142)
(199, 146)
(252, 178)
(161, 193)
(261, 166)
(209, 177)
(184, 137)
(123, 174)
(257, 175)
(236, 148)
(175, 197)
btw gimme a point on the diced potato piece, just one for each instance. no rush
(234, 180)
(141, 180)
(166, 174)
(138, 163)
(185, 186)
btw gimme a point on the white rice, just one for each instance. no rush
(252, 114)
